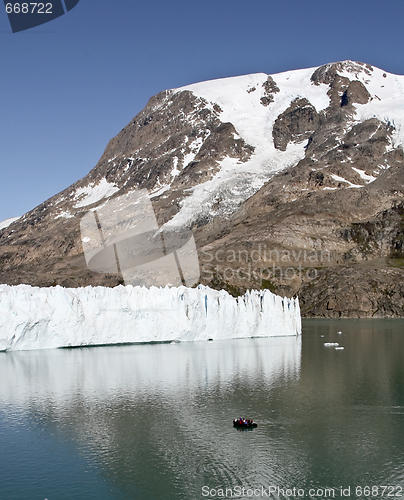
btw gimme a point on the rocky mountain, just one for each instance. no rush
(292, 182)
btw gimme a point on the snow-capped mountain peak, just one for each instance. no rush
(288, 159)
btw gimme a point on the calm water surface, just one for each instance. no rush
(154, 421)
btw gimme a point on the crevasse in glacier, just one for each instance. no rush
(46, 318)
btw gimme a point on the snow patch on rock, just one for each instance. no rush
(367, 178)
(92, 193)
(5, 223)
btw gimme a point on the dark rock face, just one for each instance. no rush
(329, 72)
(355, 93)
(270, 88)
(343, 91)
(354, 293)
(329, 228)
(295, 124)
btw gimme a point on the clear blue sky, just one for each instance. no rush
(70, 85)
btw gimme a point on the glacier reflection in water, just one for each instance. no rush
(104, 372)
(155, 418)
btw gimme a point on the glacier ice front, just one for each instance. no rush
(46, 318)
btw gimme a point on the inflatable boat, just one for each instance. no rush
(244, 423)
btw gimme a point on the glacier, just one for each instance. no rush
(55, 317)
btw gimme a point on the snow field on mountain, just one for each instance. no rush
(45, 318)
(239, 98)
(243, 108)
(236, 181)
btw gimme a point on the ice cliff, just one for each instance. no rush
(46, 318)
